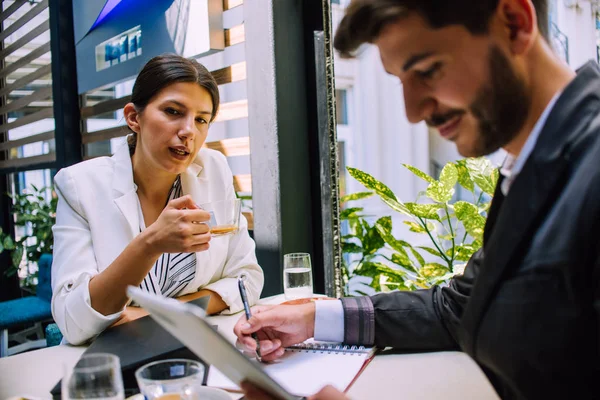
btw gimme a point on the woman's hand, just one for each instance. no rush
(180, 228)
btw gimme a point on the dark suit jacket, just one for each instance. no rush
(527, 307)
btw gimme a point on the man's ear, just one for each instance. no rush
(131, 117)
(519, 24)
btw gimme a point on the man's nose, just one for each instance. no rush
(418, 102)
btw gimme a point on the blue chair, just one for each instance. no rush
(53, 335)
(27, 310)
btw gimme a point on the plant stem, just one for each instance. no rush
(452, 234)
(479, 199)
(424, 224)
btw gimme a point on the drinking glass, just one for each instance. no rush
(297, 276)
(95, 376)
(171, 379)
(224, 216)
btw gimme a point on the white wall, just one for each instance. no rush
(578, 23)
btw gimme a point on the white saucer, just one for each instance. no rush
(206, 393)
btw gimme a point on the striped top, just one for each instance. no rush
(172, 272)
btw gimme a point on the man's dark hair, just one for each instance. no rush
(364, 19)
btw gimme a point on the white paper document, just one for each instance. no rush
(305, 369)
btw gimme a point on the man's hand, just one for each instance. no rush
(251, 392)
(277, 327)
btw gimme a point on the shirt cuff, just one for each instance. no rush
(329, 321)
(87, 320)
(359, 320)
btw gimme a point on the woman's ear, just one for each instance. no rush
(131, 117)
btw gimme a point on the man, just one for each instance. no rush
(527, 307)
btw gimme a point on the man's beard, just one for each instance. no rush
(500, 107)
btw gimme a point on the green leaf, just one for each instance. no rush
(16, 255)
(446, 237)
(464, 252)
(384, 227)
(474, 225)
(348, 247)
(431, 251)
(9, 244)
(356, 228)
(482, 173)
(439, 192)
(431, 270)
(464, 210)
(495, 176)
(449, 175)
(384, 192)
(388, 284)
(371, 183)
(1, 246)
(419, 173)
(375, 270)
(356, 196)
(414, 227)
(425, 211)
(402, 259)
(350, 213)
(444, 278)
(372, 241)
(464, 178)
(418, 256)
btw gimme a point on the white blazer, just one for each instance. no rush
(97, 217)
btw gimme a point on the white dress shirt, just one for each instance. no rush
(329, 315)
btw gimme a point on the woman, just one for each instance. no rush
(132, 219)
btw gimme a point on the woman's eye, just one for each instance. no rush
(201, 121)
(171, 111)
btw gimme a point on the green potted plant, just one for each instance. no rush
(36, 216)
(453, 229)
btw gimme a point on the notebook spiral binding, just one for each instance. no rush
(328, 348)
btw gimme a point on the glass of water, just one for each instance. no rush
(95, 376)
(171, 380)
(297, 276)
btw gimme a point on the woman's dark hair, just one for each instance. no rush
(164, 70)
(364, 19)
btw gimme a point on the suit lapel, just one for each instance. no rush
(189, 183)
(513, 220)
(124, 189)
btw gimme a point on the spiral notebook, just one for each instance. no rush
(305, 368)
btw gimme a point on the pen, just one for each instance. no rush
(242, 288)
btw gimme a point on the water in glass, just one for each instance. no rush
(297, 283)
(96, 376)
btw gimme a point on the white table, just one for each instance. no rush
(447, 375)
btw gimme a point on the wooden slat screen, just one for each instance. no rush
(27, 86)
(224, 135)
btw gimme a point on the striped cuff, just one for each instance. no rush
(359, 321)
